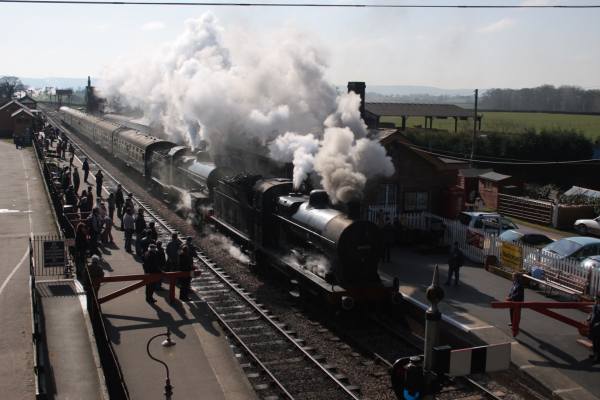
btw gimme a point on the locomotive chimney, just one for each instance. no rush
(353, 209)
(359, 88)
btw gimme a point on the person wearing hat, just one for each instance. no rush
(151, 265)
(594, 325)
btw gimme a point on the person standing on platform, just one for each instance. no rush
(76, 180)
(99, 179)
(191, 247)
(111, 206)
(140, 227)
(119, 201)
(186, 263)
(81, 247)
(128, 203)
(151, 266)
(594, 324)
(517, 292)
(173, 248)
(128, 227)
(162, 262)
(84, 207)
(86, 170)
(455, 261)
(90, 196)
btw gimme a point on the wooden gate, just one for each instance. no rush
(530, 210)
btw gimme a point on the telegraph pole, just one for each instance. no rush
(474, 127)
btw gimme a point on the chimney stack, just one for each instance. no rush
(359, 88)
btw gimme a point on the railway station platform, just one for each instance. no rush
(71, 370)
(546, 350)
(201, 364)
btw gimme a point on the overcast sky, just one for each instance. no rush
(447, 48)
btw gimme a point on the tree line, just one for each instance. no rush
(543, 98)
(544, 145)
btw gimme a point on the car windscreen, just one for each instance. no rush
(563, 247)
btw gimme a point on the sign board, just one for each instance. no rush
(475, 238)
(54, 253)
(512, 256)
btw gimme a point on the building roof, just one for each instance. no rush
(473, 172)
(387, 136)
(15, 102)
(494, 176)
(576, 190)
(22, 110)
(417, 110)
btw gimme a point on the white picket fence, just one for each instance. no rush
(476, 246)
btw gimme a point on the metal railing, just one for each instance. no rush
(476, 245)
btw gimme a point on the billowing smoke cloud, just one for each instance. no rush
(276, 96)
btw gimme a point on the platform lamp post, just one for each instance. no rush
(433, 316)
(165, 343)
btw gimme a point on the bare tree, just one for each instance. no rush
(9, 85)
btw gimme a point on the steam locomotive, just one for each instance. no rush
(321, 249)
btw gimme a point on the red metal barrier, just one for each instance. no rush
(544, 308)
(145, 279)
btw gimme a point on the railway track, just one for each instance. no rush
(277, 362)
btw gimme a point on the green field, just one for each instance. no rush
(589, 125)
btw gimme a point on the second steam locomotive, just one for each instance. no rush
(318, 247)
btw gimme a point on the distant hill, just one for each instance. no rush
(61, 83)
(406, 90)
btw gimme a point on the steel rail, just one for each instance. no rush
(210, 265)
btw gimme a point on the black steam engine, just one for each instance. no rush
(318, 247)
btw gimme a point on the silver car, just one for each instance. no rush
(588, 226)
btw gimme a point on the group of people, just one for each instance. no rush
(177, 256)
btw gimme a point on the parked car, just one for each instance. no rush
(577, 248)
(528, 238)
(588, 226)
(486, 222)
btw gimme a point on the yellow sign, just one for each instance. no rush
(512, 256)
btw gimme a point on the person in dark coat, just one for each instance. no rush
(594, 324)
(111, 206)
(186, 263)
(81, 247)
(76, 180)
(99, 179)
(173, 248)
(455, 261)
(151, 265)
(86, 170)
(140, 227)
(84, 207)
(162, 262)
(119, 201)
(517, 292)
(90, 197)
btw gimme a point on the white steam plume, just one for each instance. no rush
(198, 88)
